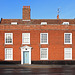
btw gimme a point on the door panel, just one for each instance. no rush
(26, 57)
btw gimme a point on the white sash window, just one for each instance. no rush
(8, 38)
(25, 38)
(68, 53)
(43, 38)
(67, 38)
(44, 54)
(8, 54)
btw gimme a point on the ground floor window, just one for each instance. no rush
(68, 53)
(8, 54)
(44, 54)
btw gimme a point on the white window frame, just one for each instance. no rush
(70, 38)
(43, 23)
(12, 53)
(11, 36)
(65, 23)
(40, 38)
(65, 53)
(14, 23)
(40, 54)
(22, 38)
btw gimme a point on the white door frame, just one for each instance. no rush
(23, 49)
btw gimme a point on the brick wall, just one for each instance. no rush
(55, 40)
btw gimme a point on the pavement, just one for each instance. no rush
(34, 66)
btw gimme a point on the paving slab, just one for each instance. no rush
(35, 66)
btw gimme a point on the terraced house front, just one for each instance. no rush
(31, 41)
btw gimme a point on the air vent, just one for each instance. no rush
(65, 23)
(14, 23)
(43, 23)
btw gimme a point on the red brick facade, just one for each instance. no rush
(55, 31)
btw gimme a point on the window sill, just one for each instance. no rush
(43, 43)
(8, 44)
(8, 59)
(67, 59)
(43, 59)
(67, 43)
(26, 43)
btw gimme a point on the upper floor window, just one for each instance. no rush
(14, 23)
(44, 54)
(43, 23)
(65, 23)
(43, 38)
(25, 38)
(8, 54)
(8, 38)
(67, 38)
(67, 53)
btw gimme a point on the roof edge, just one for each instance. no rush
(52, 19)
(40, 19)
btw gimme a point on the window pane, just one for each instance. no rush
(67, 35)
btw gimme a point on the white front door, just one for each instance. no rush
(26, 55)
